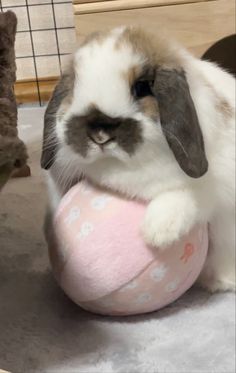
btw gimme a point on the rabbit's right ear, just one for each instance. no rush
(49, 149)
(179, 121)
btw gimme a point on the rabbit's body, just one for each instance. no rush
(117, 141)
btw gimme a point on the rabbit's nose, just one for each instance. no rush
(100, 137)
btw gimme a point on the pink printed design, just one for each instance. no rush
(159, 273)
(155, 287)
(73, 215)
(172, 286)
(100, 202)
(102, 261)
(188, 252)
(85, 230)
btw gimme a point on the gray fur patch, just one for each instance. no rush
(126, 132)
(179, 121)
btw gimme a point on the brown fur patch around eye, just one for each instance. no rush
(156, 50)
(148, 105)
(132, 74)
(138, 40)
(221, 104)
(144, 72)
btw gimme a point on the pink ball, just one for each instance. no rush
(101, 261)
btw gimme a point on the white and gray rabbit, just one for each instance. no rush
(142, 116)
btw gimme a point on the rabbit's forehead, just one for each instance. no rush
(106, 56)
(104, 72)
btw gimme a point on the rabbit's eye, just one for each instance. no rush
(142, 88)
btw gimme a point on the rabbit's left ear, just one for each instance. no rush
(179, 121)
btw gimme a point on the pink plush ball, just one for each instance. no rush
(101, 261)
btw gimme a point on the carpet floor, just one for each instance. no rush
(41, 330)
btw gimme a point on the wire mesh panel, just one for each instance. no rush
(45, 38)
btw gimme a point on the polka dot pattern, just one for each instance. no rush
(152, 290)
(103, 264)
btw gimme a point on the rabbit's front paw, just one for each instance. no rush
(168, 218)
(218, 283)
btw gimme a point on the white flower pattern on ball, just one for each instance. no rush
(100, 202)
(85, 230)
(73, 215)
(159, 273)
(172, 286)
(144, 298)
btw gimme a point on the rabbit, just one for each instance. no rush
(140, 115)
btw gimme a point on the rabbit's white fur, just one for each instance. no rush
(177, 202)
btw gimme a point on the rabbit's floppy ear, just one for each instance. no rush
(179, 121)
(61, 91)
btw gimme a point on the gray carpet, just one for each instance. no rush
(42, 331)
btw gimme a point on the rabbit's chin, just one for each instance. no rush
(95, 157)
